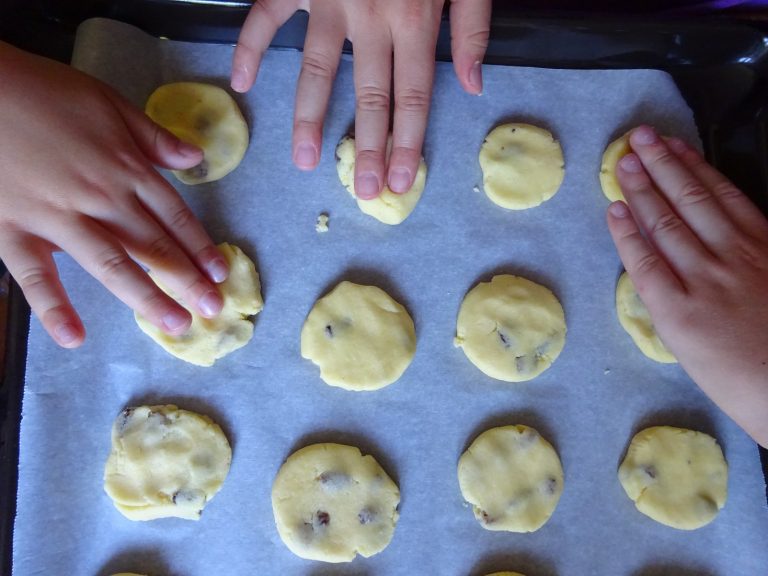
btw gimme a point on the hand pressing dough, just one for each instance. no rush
(359, 337)
(615, 151)
(522, 166)
(635, 319)
(330, 503)
(511, 328)
(388, 207)
(209, 339)
(206, 116)
(165, 462)
(675, 476)
(512, 477)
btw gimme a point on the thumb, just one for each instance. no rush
(470, 27)
(159, 145)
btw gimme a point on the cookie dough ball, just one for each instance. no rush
(675, 476)
(511, 328)
(615, 151)
(209, 339)
(388, 207)
(359, 337)
(635, 319)
(512, 477)
(522, 166)
(206, 116)
(165, 462)
(331, 503)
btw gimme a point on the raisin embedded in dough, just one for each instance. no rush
(522, 166)
(675, 476)
(209, 339)
(388, 207)
(634, 317)
(360, 338)
(206, 116)
(512, 477)
(512, 329)
(330, 503)
(165, 462)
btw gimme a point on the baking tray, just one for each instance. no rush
(719, 65)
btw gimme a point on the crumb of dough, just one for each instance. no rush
(476, 188)
(322, 223)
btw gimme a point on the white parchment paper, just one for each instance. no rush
(270, 402)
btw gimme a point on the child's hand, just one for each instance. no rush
(696, 248)
(376, 28)
(76, 163)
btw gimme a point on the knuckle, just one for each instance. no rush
(317, 65)
(666, 224)
(693, 192)
(648, 263)
(727, 192)
(161, 249)
(369, 156)
(373, 99)
(412, 100)
(477, 39)
(33, 278)
(111, 263)
(181, 218)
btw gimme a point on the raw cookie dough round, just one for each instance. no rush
(635, 319)
(388, 207)
(330, 503)
(615, 151)
(511, 328)
(522, 166)
(206, 116)
(675, 476)
(359, 337)
(165, 462)
(512, 477)
(209, 339)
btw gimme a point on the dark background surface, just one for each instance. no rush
(719, 62)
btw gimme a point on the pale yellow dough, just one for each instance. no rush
(512, 477)
(330, 503)
(635, 319)
(511, 328)
(615, 151)
(675, 476)
(388, 207)
(209, 339)
(206, 116)
(359, 337)
(165, 462)
(522, 166)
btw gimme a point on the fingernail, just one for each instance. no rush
(175, 320)
(217, 270)
(676, 145)
(367, 185)
(399, 180)
(618, 210)
(188, 150)
(210, 304)
(305, 156)
(238, 79)
(631, 163)
(644, 135)
(66, 334)
(476, 77)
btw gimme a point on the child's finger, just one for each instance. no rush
(667, 233)
(745, 215)
(650, 273)
(414, 46)
(156, 143)
(373, 75)
(102, 256)
(260, 26)
(470, 28)
(686, 194)
(322, 48)
(168, 208)
(31, 264)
